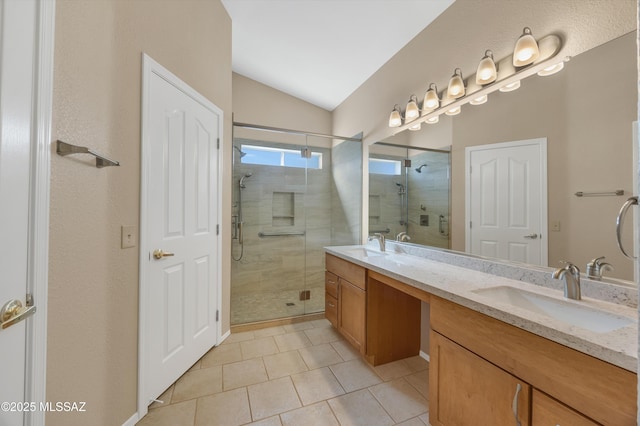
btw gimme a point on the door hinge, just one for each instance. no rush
(218, 144)
(470, 224)
(29, 299)
(217, 315)
(217, 229)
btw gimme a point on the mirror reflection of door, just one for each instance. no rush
(506, 201)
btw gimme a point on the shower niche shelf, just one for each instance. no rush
(283, 209)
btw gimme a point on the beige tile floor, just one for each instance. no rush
(298, 374)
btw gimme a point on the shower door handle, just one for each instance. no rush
(633, 201)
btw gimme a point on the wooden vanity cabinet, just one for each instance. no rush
(471, 390)
(477, 361)
(373, 312)
(345, 286)
(546, 411)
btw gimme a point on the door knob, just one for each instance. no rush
(531, 236)
(159, 254)
(13, 312)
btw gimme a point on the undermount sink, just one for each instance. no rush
(569, 313)
(363, 252)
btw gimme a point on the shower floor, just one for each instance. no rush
(261, 306)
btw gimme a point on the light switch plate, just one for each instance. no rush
(129, 237)
(555, 226)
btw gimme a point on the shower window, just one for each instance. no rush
(381, 166)
(267, 156)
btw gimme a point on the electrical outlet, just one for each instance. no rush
(129, 236)
(555, 226)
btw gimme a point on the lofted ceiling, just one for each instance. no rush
(321, 51)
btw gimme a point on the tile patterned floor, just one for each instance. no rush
(298, 374)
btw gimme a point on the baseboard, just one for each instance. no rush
(132, 420)
(425, 356)
(225, 335)
(277, 322)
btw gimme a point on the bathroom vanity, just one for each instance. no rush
(492, 356)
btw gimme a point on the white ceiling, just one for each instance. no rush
(321, 51)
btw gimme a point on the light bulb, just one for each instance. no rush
(433, 120)
(431, 100)
(412, 112)
(456, 85)
(453, 111)
(415, 127)
(479, 100)
(551, 69)
(510, 87)
(395, 119)
(487, 72)
(526, 50)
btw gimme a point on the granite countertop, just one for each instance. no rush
(458, 284)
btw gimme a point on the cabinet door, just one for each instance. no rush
(351, 316)
(468, 390)
(331, 309)
(546, 411)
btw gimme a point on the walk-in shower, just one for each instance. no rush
(405, 200)
(294, 194)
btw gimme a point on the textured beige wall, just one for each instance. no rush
(255, 103)
(93, 287)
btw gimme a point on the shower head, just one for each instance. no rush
(419, 169)
(247, 175)
(242, 154)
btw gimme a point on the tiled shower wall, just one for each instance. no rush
(266, 282)
(428, 194)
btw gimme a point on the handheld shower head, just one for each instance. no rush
(419, 169)
(241, 183)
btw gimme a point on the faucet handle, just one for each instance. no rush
(571, 267)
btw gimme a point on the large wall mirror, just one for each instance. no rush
(586, 113)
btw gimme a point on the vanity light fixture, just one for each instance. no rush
(395, 119)
(415, 127)
(511, 86)
(455, 89)
(487, 72)
(552, 69)
(529, 57)
(412, 112)
(479, 100)
(453, 111)
(526, 50)
(431, 99)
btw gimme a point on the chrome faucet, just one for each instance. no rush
(596, 267)
(403, 236)
(571, 276)
(380, 238)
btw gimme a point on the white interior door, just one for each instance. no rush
(180, 291)
(26, 69)
(507, 201)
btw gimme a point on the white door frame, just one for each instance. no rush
(149, 67)
(38, 265)
(542, 144)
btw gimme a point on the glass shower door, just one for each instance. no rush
(268, 279)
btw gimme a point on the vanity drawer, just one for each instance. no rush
(331, 309)
(351, 272)
(331, 283)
